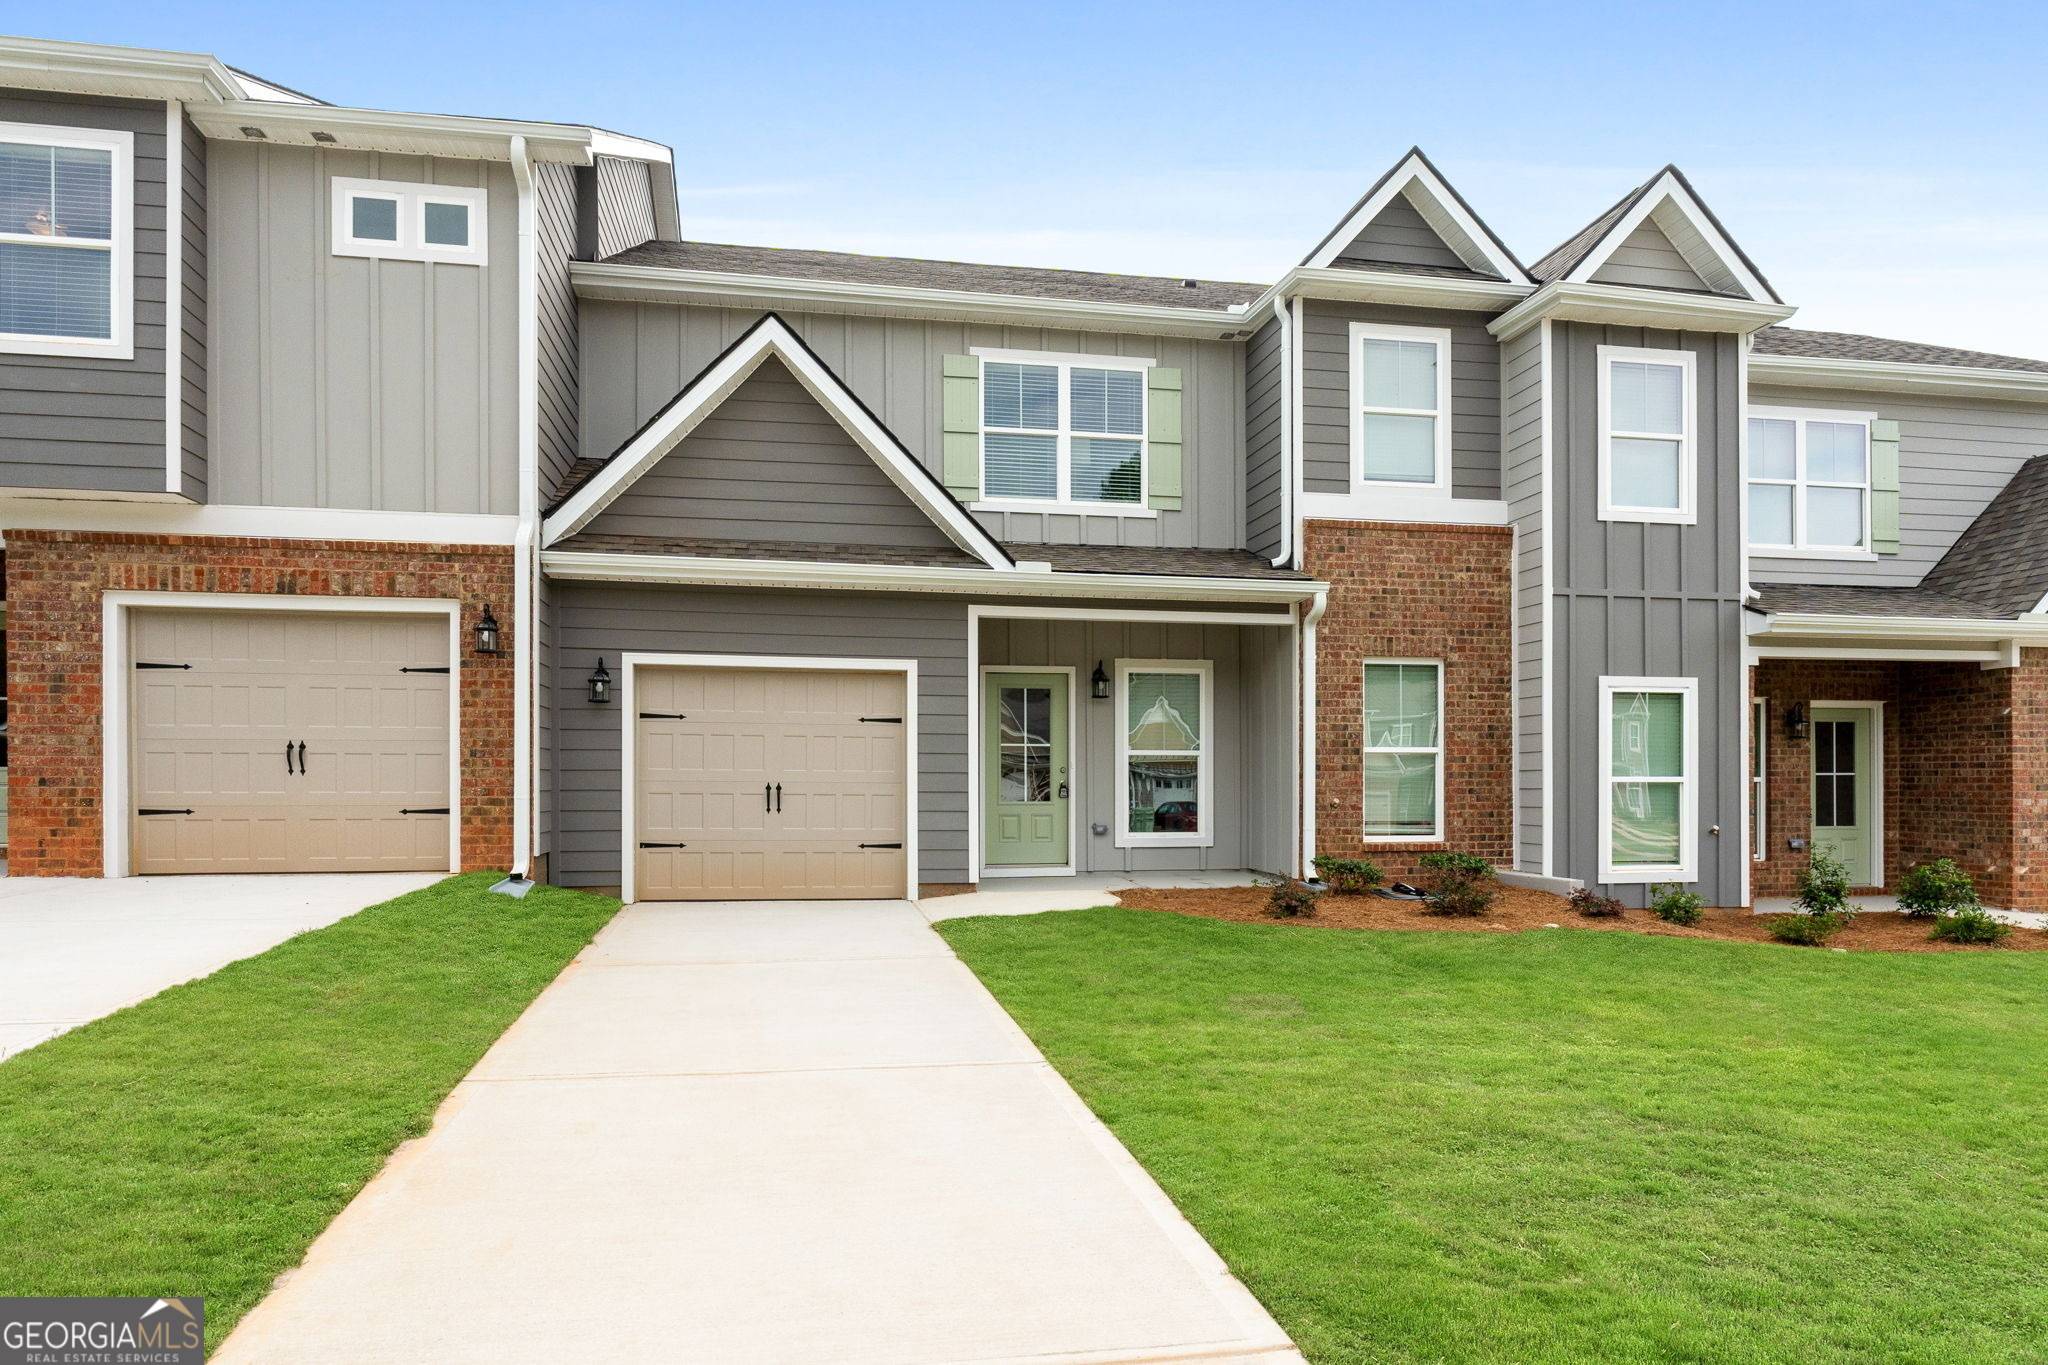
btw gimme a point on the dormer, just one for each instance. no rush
(1659, 236)
(1413, 222)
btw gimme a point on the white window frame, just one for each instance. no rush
(1687, 511)
(1439, 337)
(412, 199)
(1686, 869)
(1759, 778)
(1063, 499)
(1799, 483)
(1436, 834)
(1205, 831)
(119, 343)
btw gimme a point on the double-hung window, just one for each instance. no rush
(1063, 430)
(400, 220)
(1404, 750)
(66, 241)
(1163, 712)
(1648, 757)
(1401, 406)
(1648, 435)
(1809, 482)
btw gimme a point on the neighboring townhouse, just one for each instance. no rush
(490, 522)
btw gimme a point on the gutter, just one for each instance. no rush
(524, 567)
(2019, 386)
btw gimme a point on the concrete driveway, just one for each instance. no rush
(73, 949)
(769, 1133)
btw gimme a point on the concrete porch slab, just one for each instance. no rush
(1037, 895)
(1784, 905)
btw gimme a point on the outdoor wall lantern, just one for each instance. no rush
(601, 684)
(1795, 720)
(487, 633)
(1098, 683)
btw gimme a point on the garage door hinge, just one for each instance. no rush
(422, 810)
(645, 844)
(433, 669)
(663, 715)
(163, 810)
(146, 665)
(881, 720)
(881, 845)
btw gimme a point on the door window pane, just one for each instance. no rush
(1025, 715)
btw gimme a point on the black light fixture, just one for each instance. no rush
(1795, 720)
(601, 684)
(1098, 683)
(487, 633)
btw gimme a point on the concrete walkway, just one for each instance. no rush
(763, 1133)
(73, 949)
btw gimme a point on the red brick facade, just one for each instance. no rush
(1417, 592)
(55, 580)
(1965, 768)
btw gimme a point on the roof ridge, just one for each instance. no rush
(944, 260)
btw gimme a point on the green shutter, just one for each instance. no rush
(961, 403)
(1884, 486)
(1162, 439)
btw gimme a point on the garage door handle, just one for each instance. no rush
(881, 845)
(767, 796)
(302, 758)
(422, 810)
(287, 758)
(648, 845)
(146, 665)
(163, 810)
(778, 798)
(663, 715)
(881, 720)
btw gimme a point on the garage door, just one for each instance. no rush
(272, 742)
(769, 784)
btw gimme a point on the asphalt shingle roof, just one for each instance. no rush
(1830, 599)
(1118, 559)
(2002, 559)
(1796, 341)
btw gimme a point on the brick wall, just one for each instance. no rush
(55, 580)
(1788, 762)
(1416, 592)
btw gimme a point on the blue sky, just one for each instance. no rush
(1884, 164)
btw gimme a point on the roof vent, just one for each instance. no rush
(323, 137)
(249, 130)
(1191, 284)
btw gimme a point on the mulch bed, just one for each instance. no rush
(1519, 908)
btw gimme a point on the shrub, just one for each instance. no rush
(1807, 929)
(1292, 898)
(1593, 905)
(1934, 889)
(1970, 924)
(1457, 883)
(1461, 864)
(1675, 904)
(1349, 876)
(1823, 903)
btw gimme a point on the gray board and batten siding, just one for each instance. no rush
(1523, 401)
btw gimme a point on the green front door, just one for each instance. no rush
(1843, 783)
(1025, 767)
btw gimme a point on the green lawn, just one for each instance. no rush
(197, 1142)
(1566, 1145)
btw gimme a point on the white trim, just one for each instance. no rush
(631, 662)
(525, 565)
(1383, 503)
(119, 246)
(1205, 740)
(771, 336)
(1367, 748)
(1297, 464)
(1306, 748)
(382, 130)
(1063, 364)
(409, 200)
(115, 673)
(1547, 702)
(1799, 483)
(174, 296)
(1878, 653)
(1708, 250)
(1358, 334)
(1877, 850)
(1687, 511)
(978, 737)
(1073, 509)
(266, 523)
(1450, 220)
(1801, 371)
(1005, 355)
(2029, 630)
(1686, 870)
(1003, 611)
(1362, 284)
(1288, 516)
(98, 69)
(1630, 306)
(1757, 756)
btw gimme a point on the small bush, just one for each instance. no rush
(1459, 864)
(1807, 928)
(1457, 883)
(1970, 924)
(1593, 905)
(1292, 898)
(1675, 904)
(1934, 889)
(1823, 902)
(1349, 876)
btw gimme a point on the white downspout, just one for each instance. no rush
(1286, 555)
(524, 617)
(1308, 732)
(1297, 491)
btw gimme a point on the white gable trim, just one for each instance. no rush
(1683, 219)
(771, 336)
(1439, 207)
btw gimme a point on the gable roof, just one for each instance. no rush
(1440, 205)
(770, 336)
(1669, 199)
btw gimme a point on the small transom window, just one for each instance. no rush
(403, 221)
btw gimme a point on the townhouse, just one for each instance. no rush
(387, 490)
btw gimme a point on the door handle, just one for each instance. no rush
(778, 798)
(767, 796)
(287, 758)
(302, 758)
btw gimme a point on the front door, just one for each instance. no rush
(1025, 761)
(1843, 783)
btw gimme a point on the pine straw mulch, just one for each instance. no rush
(1519, 908)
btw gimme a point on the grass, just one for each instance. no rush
(1567, 1145)
(196, 1143)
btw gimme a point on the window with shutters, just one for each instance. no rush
(67, 207)
(1809, 483)
(1062, 431)
(1648, 436)
(1401, 406)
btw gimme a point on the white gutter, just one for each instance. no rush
(525, 620)
(2028, 630)
(1629, 305)
(1316, 609)
(1299, 439)
(2019, 386)
(1286, 555)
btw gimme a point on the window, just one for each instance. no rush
(1759, 764)
(1060, 429)
(1809, 482)
(66, 249)
(1404, 771)
(1401, 405)
(402, 221)
(1647, 747)
(1163, 710)
(1647, 436)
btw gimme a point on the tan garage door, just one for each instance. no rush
(769, 784)
(360, 701)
